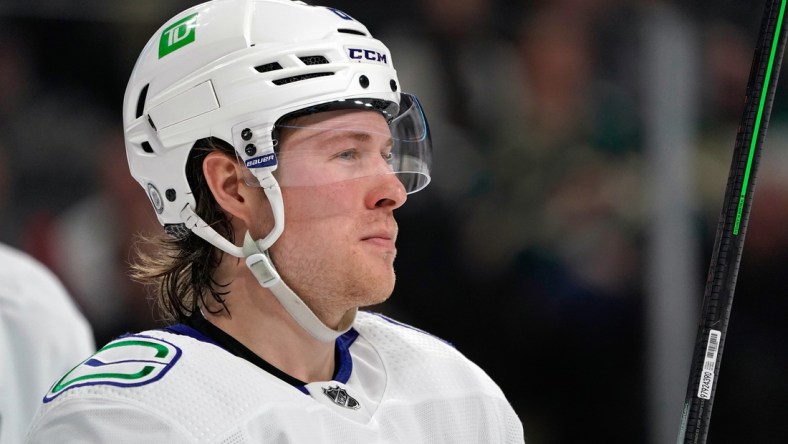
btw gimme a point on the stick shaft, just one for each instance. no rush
(732, 226)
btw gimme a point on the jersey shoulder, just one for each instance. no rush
(132, 360)
(420, 357)
(425, 370)
(370, 322)
(172, 383)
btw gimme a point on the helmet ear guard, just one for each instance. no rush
(198, 100)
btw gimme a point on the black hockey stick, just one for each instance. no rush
(732, 226)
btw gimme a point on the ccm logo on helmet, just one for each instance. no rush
(368, 55)
(261, 161)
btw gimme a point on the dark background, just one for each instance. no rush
(532, 250)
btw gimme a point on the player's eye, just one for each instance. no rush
(351, 154)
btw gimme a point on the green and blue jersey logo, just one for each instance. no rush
(130, 361)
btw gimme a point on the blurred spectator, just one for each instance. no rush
(565, 159)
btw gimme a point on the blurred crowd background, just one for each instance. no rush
(582, 150)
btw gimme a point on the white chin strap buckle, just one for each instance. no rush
(263, 269)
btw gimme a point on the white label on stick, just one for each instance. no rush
(709, 362)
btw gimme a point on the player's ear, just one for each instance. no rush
(224, 178)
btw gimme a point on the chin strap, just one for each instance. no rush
(263, 269)
(256, 254)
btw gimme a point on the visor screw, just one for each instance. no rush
(393, 84)
(250, 149)
(363, 81)
(170, 195)
(246, 134)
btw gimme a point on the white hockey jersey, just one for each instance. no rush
(393, 384)
(42, 335)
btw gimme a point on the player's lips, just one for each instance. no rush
(386, 239)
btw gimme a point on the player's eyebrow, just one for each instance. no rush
(337, 135)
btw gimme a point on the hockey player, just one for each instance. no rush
(275, 143)
(42, 334)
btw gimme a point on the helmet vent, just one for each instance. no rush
(314, 60)
(273, 66)
(141, 100)
(287, 80)
(147, 148)
(351, 31)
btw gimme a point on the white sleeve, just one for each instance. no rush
(84, 420)
(42, 336)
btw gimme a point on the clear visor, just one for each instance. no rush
(348, 140)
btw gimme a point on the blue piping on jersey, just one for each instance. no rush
(392, 321)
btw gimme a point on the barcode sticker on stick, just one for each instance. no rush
(709, 362)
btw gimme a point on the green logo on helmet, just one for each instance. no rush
(177, 35)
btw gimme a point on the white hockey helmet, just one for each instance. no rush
(232, 69)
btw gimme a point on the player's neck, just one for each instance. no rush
(258, 321)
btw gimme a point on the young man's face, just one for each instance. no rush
(338, 246)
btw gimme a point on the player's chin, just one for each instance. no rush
(380, 287)
(376, 300)
(384, 250)
(380, 261)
